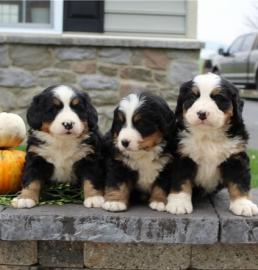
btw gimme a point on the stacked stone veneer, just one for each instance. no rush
(107, 73)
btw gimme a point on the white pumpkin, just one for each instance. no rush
(12, 130)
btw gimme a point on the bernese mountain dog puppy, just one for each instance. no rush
(212, 142)
(139, 154)
(64, 146)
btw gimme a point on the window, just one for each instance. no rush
(247, 43)
(236, 45)
(31, 16)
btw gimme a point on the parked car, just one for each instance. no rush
(239, 63)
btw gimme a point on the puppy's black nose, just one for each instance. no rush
(68, 125)
(202, 115)
(125, 143)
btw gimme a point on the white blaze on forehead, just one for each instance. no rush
(129, 105)
(64, 93)
(206, 83)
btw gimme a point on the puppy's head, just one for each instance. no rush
(141, 121)
(209, 101)
(62, 110)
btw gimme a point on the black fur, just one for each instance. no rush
(236, 168)
(43, 110)
(155, 116)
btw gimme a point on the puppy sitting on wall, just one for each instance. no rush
(212, 144)
(64, 146)
(138, 151)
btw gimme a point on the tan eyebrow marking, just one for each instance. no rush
(57, 102)
(120, 116)
(137, 117)
(75, 101)
(196, 90)
(216, 91)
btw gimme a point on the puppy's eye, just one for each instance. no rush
(219, 98)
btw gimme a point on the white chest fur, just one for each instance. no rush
(209, 149)
(148, 164)
(62, 152)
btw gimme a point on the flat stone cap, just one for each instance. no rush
(210, 222)
(139, 224)
(103, 40)
(235, 229)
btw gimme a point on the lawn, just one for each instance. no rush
(253, 154)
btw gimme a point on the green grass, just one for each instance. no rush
(253, 155)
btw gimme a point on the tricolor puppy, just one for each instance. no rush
(212, 145)
(64, 146)
(139, 155)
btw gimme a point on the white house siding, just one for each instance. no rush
(165, 18)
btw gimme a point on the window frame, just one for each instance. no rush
(55, 28)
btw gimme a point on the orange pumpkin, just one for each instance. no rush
(11, 167)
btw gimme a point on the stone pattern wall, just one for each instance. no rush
(57, 255)
(106, 73)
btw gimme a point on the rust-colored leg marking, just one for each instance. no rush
(236, 193)
(119, 194)
(185, 187)
(32, 191)
(89, 190)
(158, 195)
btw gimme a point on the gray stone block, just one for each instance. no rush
(235, 229)
(180, 71)
(8, 100)
(60, 254)
(52, 76)
(115, 56)
(75, 53)
(98, 82)
(14, 77)
(99, 99)
(4, 56)
(140, 224)
(136, 256)
(30, 57)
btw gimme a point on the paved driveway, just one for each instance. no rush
(251, 121)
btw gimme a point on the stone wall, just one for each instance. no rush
(107, 73)
(56, 255)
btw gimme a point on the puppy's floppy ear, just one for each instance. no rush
(166, 123)
(237, 102)
(184, 88)
(113, 127)
(34, 112)
(92, 115)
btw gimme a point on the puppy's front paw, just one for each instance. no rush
(243, 207)
(94, 201)
(180, 203)
(20, 202)
(114, 206)
(159, 206)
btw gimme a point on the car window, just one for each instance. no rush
(248, 42)
(236, 45)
